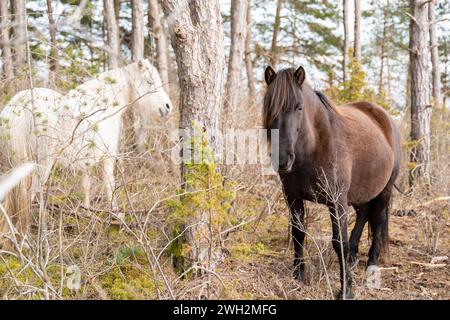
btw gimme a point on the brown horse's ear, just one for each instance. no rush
(299, 75)
(269, 75)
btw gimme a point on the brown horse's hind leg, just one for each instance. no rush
(378, 221)
(361, 219)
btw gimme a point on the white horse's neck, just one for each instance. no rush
(111, 90)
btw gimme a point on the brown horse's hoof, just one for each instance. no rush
(299, 276)
(348, 295)
(353, 260)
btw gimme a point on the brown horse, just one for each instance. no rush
(340, 157)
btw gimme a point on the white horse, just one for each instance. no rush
(78, 130)
(93, 118)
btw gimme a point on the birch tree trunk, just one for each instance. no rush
(197, 39)
(420, 92)
(346, 40)
(233, 88)
(357, 32)
(137, 33)
(248, 54)
(435, 63)
(8, 69)
(274, 51)
(54, 59)
(112, 34)
(384, 54)
(157, 32)
(20, 39)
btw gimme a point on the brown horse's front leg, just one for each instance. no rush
(297, 213)
(340, 246)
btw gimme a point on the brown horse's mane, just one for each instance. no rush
(282, 94)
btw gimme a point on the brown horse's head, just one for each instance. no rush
(283, 110)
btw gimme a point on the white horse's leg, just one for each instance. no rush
(86, 185)
(110, 183)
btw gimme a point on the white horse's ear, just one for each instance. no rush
(141, 65)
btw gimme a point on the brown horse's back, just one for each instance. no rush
(376, 150)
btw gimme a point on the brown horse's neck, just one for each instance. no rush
(317, 127)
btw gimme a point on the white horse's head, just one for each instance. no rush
(149, 90)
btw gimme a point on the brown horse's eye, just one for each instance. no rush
(298, 107)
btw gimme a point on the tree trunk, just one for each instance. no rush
(233, 88)
(8, 69)
(420, 92)
(248, 54)
(346, 40)
(54, 59)
(357, 32)
(117, 11)
(435, 63)
(197, 39)
(137, 40)
(112, 34)
(274, 52)
(157, 32)
(19, 12)
(384, 53)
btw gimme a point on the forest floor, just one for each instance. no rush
(266, 271)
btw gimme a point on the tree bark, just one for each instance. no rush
(19, 12)
(157, 32)
(197, 39)
(420, 92)
(435, 63)
(54, 59)
(346, 40)
(384, 53)
(8, 69)
(274, 51)
(137, 21)
(233, 88)
(112, 34)
(117, 11)
(357, 32)
(248, 54)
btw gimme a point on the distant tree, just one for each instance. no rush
(156, 31)
(112, 34)
(137, 33)
(435, 63)
(274, 51)
(346, 46)
(248, 53)
(357, 32)
(233, 88)
(19, 12)
(420, 92)
(8, 69)
(54, 57)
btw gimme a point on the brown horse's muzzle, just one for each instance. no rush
(286, 162)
